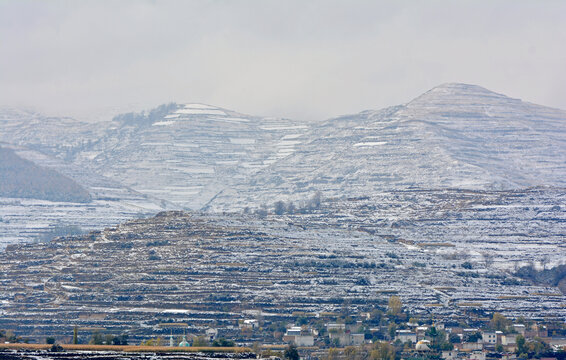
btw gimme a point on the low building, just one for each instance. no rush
(331, 327)
(489, 337)
(406, 335)
(476, 355)
(449, 354)
(510, 339)
(469, 346)
(299, 336)
(300, 340)
(211, 334)
(520, 328)
(347, 338)
(421, 332)
(249, 324)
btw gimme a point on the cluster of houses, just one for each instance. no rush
(468, 343)
(338, 333)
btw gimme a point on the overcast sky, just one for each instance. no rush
(301, 59)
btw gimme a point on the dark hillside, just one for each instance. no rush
(22, 178)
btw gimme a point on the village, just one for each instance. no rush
(403, 336)
(389, 334)
(327, 285)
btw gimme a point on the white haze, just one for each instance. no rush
(306, 60)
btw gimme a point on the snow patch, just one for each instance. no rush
(242, 141)
(200, 112)
(163, 123)
(370, 143)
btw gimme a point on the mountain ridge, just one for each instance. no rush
(453, 136)
(204, 157)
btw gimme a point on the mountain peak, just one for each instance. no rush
(459, 93)
(460, 87)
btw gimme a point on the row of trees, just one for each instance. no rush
(281, 207)
(99, 338)
(378, 351)
(9, 336)
(199, 341)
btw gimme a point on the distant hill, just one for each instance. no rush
(187, 153)
(199, 156)
(204, 157)
(453, 136)
(21, 178)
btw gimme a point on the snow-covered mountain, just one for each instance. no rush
(188, 153)
(22, 178)
(50, 135)
(453, 136)
(197, 156)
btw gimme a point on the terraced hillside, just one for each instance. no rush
(447, 253)
(203, 157)
(187, 153)
(454, 136)
(20, 178)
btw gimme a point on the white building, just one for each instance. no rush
(348, 339)
(211, 334)
(489, 337)
(299, 336)
(249, 324)
(520, 328)
(406, 335)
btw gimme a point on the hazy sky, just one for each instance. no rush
(301, 59)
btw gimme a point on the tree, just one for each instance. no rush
(315, 201)
(291, 208)
(531, 349)
(279, 207)
(438, 339)
(333, 354)
(455, 339)
(383, 351)
(200, 341)
(56, 348)
(544, 261)
(520, 341)
(473, 337)
(223, 343)
(291, 353)
(97, 338)
(395, 305)
(350, 352)
(119, 340)
(262, 211)
(499, 322)
(392, 330)
(50, 340)
(488, 259)
(75, 335)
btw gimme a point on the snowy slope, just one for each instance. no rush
(187, 153)
(453, 136)
(25, 219)
(199, 156)
(55, 136)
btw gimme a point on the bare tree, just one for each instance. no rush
(279, 207)
(488, 259)
(544, 261)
